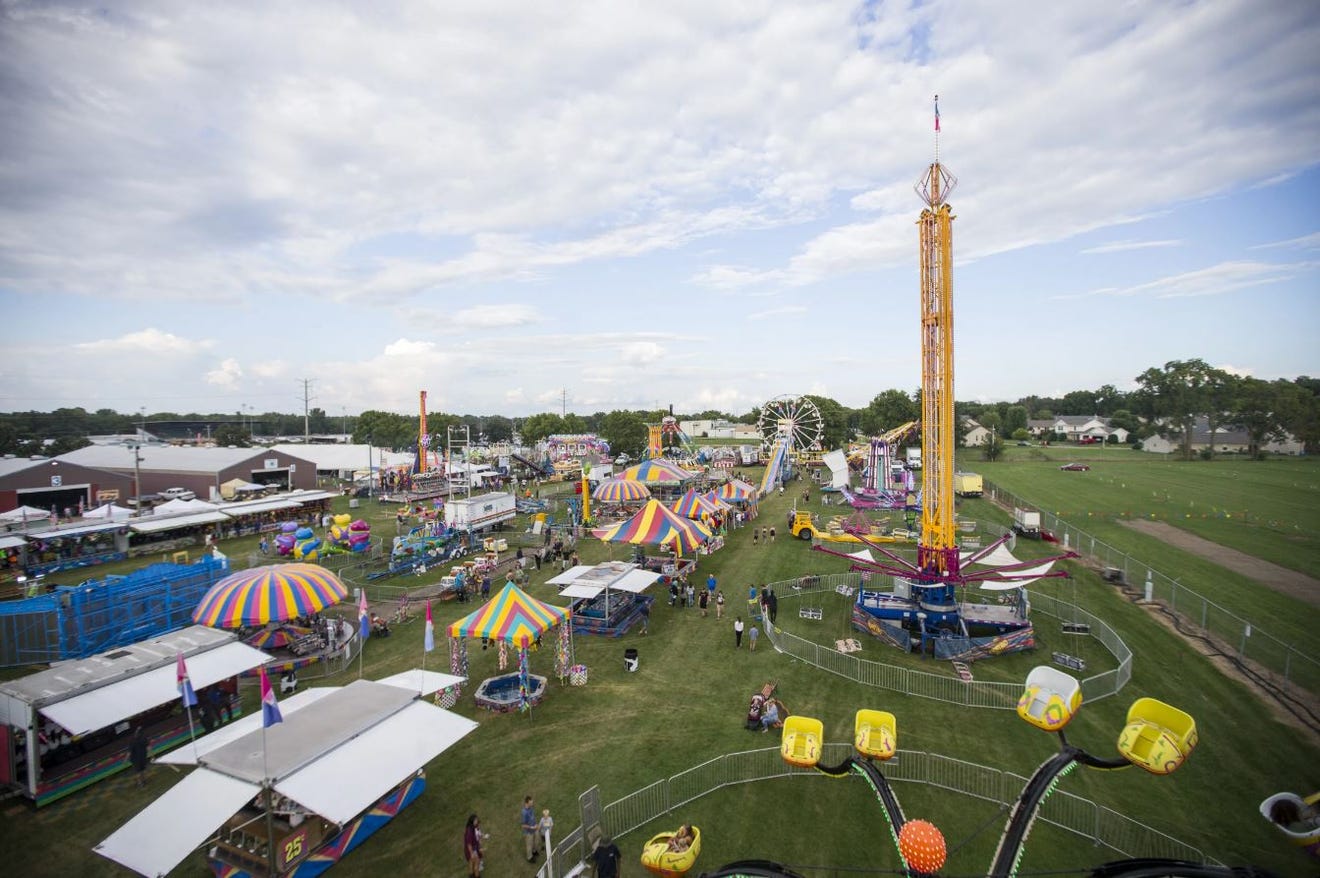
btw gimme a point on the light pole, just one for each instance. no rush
(137, 478)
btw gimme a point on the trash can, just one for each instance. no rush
(630, 659)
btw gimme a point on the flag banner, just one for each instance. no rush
(270, 708)
(429, 642)
(364, 616)
(184, 684)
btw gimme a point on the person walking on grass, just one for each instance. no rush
(751, 639)
(530, 837)
(719, 604)
(703, 601)
(737, 633)
(646, 617)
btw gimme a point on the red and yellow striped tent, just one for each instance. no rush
(513, 616)
(657, 525)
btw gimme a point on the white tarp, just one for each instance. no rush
(863, 555)
(422, 682)
(172, 827)
(346, 781)
(178, 507)
(249, 507)
(154, 524)
(109, 511)
(188, 754)
(116, 702)
(570, 575)
(1020, 578)
(636, 581)
(581, 591)
(838, 465)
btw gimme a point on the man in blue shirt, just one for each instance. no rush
(530, 837)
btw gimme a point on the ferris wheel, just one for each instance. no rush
(795, 418)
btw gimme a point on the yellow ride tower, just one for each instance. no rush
(937, 550)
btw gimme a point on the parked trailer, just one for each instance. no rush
(968, 484)
(1026, 522)
(481, 512)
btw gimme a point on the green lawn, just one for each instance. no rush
(685, 706)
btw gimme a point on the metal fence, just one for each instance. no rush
(1100, 825)
(943, 687)
(1200, 614)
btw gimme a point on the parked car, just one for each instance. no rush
(177, 494)
(1075, 467)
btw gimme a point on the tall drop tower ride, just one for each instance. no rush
(937, 550)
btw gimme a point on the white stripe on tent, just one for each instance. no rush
(127, 698)
(188, 754)
(172, 827)
(345, 782)
(152, 525)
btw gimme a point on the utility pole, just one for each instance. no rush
(307, 402)
(563, 403)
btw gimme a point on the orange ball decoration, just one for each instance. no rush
(922, 846)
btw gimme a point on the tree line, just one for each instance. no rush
(1168, 400)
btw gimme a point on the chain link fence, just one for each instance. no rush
(1241, 636)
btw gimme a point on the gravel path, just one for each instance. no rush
(1280, 579)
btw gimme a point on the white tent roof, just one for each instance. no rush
(170, 828)
(636, 581)
(11, 542)
(109, 510)
(570, 575)
(22, 512)
(118, 701)
(188, 754)
(77, 530)
(423, 682)
(581, 591)
(155, 524)
(248, 507)
(178, 507)
(344, 782)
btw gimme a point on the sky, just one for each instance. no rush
(588, 206)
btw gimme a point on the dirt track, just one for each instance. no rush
(1280, 579)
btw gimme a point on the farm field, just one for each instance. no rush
(685, 706)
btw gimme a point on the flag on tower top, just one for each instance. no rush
(270, 708)
(184, 684)
(937, 112)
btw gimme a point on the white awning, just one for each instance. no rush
(76, 531)
(309, 496)
(422, 682)
(569, 575)
(636, 581)
(188, 754)
(173, 826)
(12, 542)
(116, 702)
(154, 525)
(253, 506)
(345, 782)
(1020, 578)
(581, 591)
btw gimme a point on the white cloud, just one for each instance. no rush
(147, 341)
(493, 316)
(778, 312)
(642, 353)
(227, 375)
(1305, 242)
(1226, 277)
(1125, 246)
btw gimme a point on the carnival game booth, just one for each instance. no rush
(657, 525)
(292, 799)
(607, 598)
(513, 618)
(70, 726)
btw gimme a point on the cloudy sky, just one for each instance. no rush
(638, 204)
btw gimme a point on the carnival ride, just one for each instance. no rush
(878, 469)
(1050, 701)
(924, 606)
(793, 418)
(1296, 817)
(667, 439)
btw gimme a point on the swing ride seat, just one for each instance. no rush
(660, 860)
(1050, 699)
(1158, 737)
(875, 734)
(801, 739)
(1305, 834)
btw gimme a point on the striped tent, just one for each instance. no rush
(693, 505)
(269, 594)
(513, 616)
(621, 491)
(657, 472)
(736, 490)
(657, 525)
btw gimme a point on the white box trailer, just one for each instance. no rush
(912, 457)
(1026, 522)
(481, 512)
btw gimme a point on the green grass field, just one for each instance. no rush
(686, 703)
